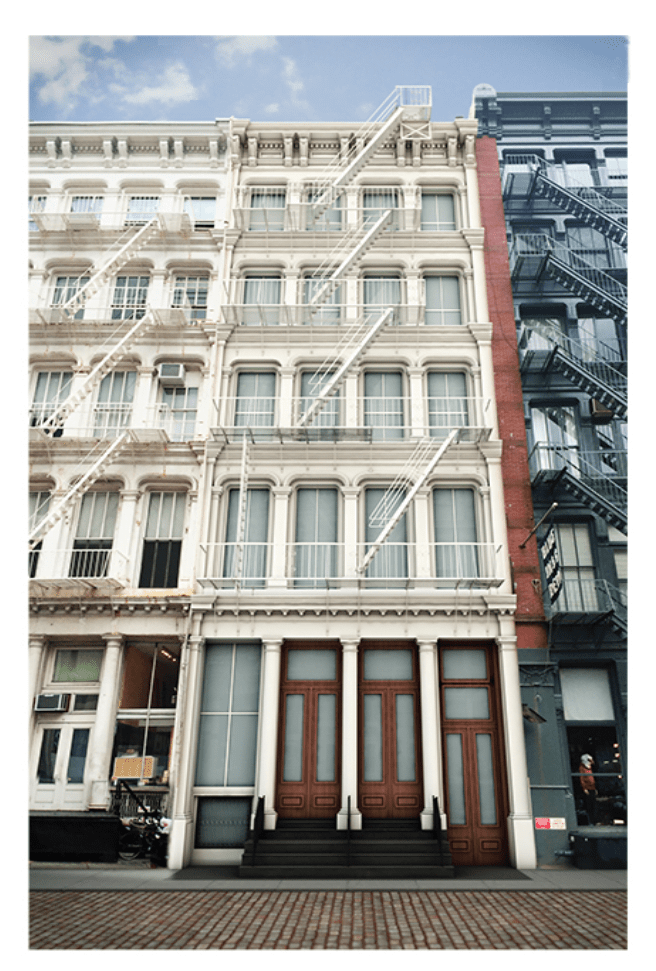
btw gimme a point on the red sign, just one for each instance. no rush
(542, 822)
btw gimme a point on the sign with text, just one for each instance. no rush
(553, 572)
(550, 822)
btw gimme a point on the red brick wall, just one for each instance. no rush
(531, 625)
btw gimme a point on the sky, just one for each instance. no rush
(307, 77)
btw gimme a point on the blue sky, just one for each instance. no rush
(301, 77)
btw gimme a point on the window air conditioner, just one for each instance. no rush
(51, 702)
(599, 413)
(171, 375)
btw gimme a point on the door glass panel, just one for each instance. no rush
(326, 724)
(212, 743)
(311, 666)
(78, 755)
(49, 746)
(373, 738)
(464, 665)
(466, 703)
(293, 765)
(388, 665)
(456, 780)
(487, 802)
(405, 738)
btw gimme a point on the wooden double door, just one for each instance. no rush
(389, 750)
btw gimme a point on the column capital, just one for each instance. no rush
(427, 645)
(506, 642)
(112, 640)
(350, 645)
(273, 646)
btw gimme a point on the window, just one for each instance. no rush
(76, 665)
(579, 591)
(316, 548)
(321, 219)
(617, 168)
(443, 300)
(383, 404)
(66, 287)
(256, 400)
(252, 569)
(329, 417)
(177, 412)
(144, 728)
(556, 438)
(130, 295)
(593, 247)
(599, 338)
(437, 212)
(328, 310)
(456, 545)
(541, 333)
(94, 536)
(113, 410)
(267, 212)
(447, 402)
(262, 300)
(227, 735)
(202, 210)
(380, 293)
(190, 292)
(375, 202)
(594, 751)
(52, 388)
(141, 209)
(574, 174)
(92, 204)
(163, 540)
(391, 560)
(35, 204)
(38, 509)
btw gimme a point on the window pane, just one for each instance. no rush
(217, 677)
(212, 741)
(222, 822)
(405, 738)
(293, 758)
(456, 780)
(466, 703)
(246, 692)
(74, 665)
(586, 694)
(78, 755)
(45, 772)
(388, 665)
(464, 665)
(487, 801)
(373, 738)
(311, 665)
(326, 733)
(243, 744)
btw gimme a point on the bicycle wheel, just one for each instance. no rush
(130, 845)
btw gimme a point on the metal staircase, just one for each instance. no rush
(582, 365)
(583, 479)
(532, 256)
(587, 204)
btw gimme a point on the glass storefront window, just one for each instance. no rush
(598, 785)
(142, 750)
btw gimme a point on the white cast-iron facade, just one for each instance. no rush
(268, 548)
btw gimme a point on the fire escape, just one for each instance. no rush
(407, 111)
(116, 346)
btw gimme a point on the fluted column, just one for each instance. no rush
(349, 735)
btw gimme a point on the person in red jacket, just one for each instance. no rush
(589, 787)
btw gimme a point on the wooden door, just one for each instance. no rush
(310, 716)
(476, 800)
(390, 752)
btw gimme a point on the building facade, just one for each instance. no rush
(561, 160)
(269, 543)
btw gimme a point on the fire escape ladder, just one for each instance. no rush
(583, 366)
(94, 471)
(351, 348)
(117, 350)
(585, 480)
(393, 503)
(112, 264)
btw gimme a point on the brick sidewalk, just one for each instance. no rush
(327, 920)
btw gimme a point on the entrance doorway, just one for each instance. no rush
(309, 762)
(476, 800)
(59, 782)
(390, 778)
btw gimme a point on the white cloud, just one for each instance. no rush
(230, 50)
(66, 63)
(272, 109)
(294, 82)
(175, 86)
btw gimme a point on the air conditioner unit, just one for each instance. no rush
(599, 413)
(51, 702)
(171, 375)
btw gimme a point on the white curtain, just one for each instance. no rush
(255, 538)
(391, 560)
(442, 300)
(383, 404)
(316, 536)
(454, 516)
(437, 212)
(262, 299)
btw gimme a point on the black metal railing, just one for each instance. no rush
(258, 827)
(348, 831)
(437, 827)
